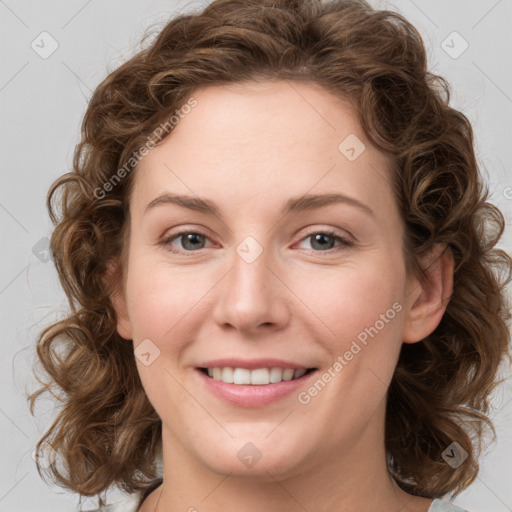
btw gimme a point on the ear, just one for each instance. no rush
(118, 300)
(428, 301)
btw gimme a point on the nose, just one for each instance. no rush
(252, 297)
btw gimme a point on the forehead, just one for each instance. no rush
(263, 140)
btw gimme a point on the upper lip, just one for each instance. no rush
(251, 364)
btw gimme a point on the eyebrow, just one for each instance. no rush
(293, 205)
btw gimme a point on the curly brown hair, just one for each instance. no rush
(106, 432)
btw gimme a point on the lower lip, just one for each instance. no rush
(248, 395)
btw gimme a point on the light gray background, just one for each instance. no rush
(43, 101)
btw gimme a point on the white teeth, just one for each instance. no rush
(260, 376)
(227, 375)
(276, 375)
(288, 374)
(241, 376)
(257, 377)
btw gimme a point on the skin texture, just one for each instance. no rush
(250, 148)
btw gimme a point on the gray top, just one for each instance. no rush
(131, 504)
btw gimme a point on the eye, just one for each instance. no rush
(323, 241)
(190, 241)
(193, 241)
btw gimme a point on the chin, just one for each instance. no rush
(263, 459)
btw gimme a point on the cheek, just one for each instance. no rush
(353, 298)
(336, 304)
(160, 298)
(163, 304)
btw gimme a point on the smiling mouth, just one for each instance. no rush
(256, 377)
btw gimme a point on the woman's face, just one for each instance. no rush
(293, 261)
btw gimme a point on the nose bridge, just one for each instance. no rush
(251, 295)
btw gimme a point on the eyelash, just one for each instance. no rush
(345, 243)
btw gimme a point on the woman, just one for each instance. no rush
(281, 264)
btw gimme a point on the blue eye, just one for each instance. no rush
(323, 241)
(192, 241)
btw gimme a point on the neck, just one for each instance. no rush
(357, 480)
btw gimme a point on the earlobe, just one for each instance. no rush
(430, 299)
(118, 301)
(123, 322)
